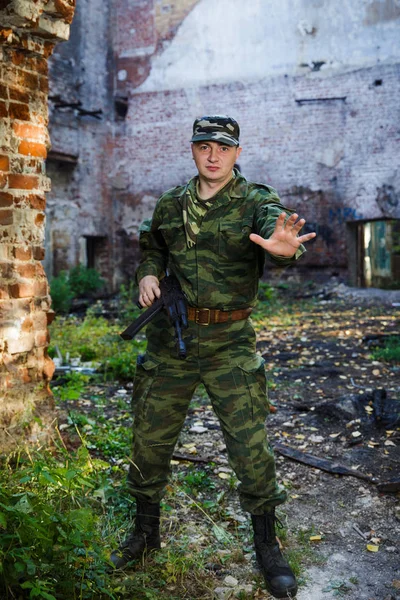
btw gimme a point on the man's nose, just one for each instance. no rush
(213, 155)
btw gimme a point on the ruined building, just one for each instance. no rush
(314, 86)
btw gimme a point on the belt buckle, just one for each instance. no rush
(197, 316)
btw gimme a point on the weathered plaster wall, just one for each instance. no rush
(232, 40)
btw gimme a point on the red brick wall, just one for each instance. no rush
(327, 157)
(25, 368)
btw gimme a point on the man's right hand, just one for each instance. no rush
(149, 290)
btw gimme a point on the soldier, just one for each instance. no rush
(213, 234)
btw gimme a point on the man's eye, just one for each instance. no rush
(204, 147)
(224, 148)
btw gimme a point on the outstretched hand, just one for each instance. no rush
(285, 240)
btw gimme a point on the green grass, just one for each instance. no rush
(96, 339)
(390, 351)
(64, 508)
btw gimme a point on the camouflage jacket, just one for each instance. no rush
(223, 268)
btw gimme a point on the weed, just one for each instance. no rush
(73, 386)
(339, 588)
(127, 308)
(61, 293)
(266, 293)
(195, 480)
(78, 282)
(50, 544)
(95, 337)
(390, 351)
(84, 281)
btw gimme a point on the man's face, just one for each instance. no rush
(215, 160)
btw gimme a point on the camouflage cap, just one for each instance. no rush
(216, 128)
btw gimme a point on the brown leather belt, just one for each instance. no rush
(211, 316)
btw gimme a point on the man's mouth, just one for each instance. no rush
(212, 168)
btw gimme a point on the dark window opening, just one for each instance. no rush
(97, 253)
(121, 106)
(378, 82)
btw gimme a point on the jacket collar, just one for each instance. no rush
(238, 189)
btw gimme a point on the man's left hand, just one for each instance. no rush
(285, 240)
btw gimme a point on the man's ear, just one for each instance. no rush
(238, 152)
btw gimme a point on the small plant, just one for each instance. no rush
(390, 351)
(73, 386)
(127, 308)
(61, 293)
(87, 353)
(339, 588)
(84, 281)
(121, 365)
(195, 480)
(266, 293)
(78, 282)
(50, 544)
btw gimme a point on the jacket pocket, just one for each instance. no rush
(233, 239)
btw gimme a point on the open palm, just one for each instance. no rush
(285, 239)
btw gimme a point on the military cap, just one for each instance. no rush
(217, 128)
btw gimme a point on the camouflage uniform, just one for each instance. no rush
(220, 271)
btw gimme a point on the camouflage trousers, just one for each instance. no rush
(222, 357)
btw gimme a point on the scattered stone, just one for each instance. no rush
(230, 581)
(198, 429)
(243, 589)
(223, 593)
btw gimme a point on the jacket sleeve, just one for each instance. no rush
(154, 252)
(268, 210)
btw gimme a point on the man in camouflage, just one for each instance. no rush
(213, 235)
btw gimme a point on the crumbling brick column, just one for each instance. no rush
(29, 30)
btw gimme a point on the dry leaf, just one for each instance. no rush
(376, 540)
(223, 475)
(372, 547)
(315, 538)
(356, 434)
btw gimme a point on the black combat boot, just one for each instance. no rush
(145, 536)
(279, 577)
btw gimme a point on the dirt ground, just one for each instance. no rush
(329, 399)
(334, 402)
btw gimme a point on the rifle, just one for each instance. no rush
(173, 300)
